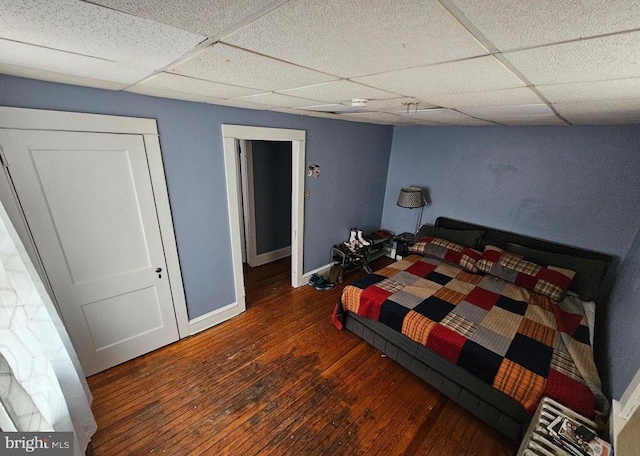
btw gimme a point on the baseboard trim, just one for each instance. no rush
(213, 318)
(321, 270)
(268, 257)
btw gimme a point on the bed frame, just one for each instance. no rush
(490, 405)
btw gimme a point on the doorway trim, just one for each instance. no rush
(233, 133)
(40, 119)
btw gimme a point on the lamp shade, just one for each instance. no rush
(411, 197)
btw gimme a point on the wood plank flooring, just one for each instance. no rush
(279, 379)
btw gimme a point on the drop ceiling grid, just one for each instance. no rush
(472, 75)
(339, 91)
(52, 60)
(168, 81)
(517, 24)
(277, 100)
(204, 17)
(596, 59)
(358, 37)
(614, 89)
(90, 30)
(504, 97)
(231, 65)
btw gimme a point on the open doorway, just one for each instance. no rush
(265, 173)
(232, 135)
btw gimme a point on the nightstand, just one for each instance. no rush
(401, 244)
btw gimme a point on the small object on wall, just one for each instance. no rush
(314, 170)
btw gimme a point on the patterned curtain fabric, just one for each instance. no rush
(42, 386)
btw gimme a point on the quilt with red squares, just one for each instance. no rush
(520, 342)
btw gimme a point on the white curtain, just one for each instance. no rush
(42, 386)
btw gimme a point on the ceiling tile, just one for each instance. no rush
(235, 103)
(491, 112)
(277, 100)
(334, 107)
(618, 89)
(473, 75)
(229, 65)
(91, 30)
(611, 57)
(176, 83)
(162, 93)
(381, 117)
(436, 115)
(520, 95)
(32, 73)
(359, 37)
(339, 92)
(515, 24)
(533, 120)
(468, 122)
(397, 104)
(44, 59)
(601, 112)
(204, 17)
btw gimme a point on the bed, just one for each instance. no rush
(492, 319)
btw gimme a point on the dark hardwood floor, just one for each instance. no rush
(279, 379)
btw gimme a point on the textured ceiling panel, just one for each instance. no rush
(601, 112)
(229, 65)
(90, 30)
(155, 92)
(204, 17)
(469, 121)
(612, 57)
(474, 75)
(176, 83)
(534, 120)
(43, 59)
(338, 92)
(516, 24)
(491, 112)
(618, 89)
(436, 115)
(397, 104)
(381, 117)
(32, 73)
(521, 95)
(359, 37)
(333, 107)
(277, 100)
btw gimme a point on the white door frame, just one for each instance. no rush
(233, 133)
(37, 119)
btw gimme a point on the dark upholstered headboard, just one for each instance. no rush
(501, 238)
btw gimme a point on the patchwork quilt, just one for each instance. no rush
(521, 343)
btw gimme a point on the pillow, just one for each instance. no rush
(550, 281)
(448, 251)
(589, 273)
(468, 238)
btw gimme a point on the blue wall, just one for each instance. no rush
(349, 192)
(576, 185)
(622, 324)
(272, 194)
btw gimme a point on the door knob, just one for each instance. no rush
(158, 269)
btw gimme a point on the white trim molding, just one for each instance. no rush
(233, 133)
(213, 318)
(274, 255)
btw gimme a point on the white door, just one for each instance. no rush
(89, 204)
